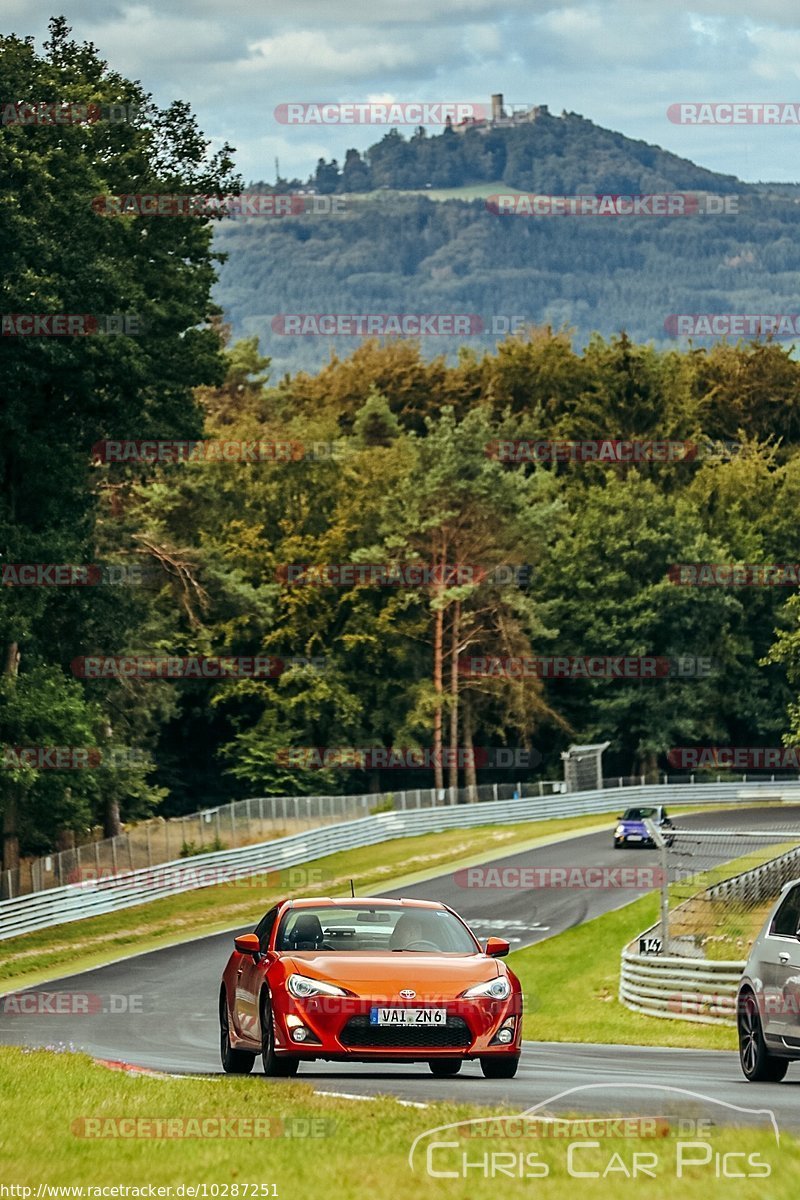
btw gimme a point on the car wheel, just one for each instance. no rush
(443, 1067)
(234, 1062)
(758, 1065)
(500, 1068)
(273, 1065)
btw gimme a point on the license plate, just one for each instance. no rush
(634, 837)
(408, 1016)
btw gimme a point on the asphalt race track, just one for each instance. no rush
(159, 1010)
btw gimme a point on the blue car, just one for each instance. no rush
(631, 829)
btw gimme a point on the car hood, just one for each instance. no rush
(630, 824)
(390, 972)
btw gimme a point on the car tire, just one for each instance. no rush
(234, 1062)
(274, 1065)
(443, 1068)
(500, 1068)
(758, 1065)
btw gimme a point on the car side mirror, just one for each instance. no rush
(247, 943)
(497, 947)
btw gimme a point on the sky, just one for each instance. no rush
(620, 63)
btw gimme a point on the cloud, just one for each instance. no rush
(619, 62)
(337, 58)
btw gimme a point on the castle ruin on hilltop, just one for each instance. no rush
(502, 117)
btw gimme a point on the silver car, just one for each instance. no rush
(768, 1001)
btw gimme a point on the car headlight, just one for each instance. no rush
(495, 989)
(619, 831)
(302, 987)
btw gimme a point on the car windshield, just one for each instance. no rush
(364, 928)
(639, 814)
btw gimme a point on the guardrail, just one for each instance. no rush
(226, 826)
(114, 892)
(247, 822)
(699, 989)
(685, 989)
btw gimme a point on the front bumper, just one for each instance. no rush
(633, 839)
(341, 1029)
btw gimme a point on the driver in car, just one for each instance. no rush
(408, 931)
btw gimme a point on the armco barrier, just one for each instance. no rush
(700, 989)
(687, 989)
(116, 892)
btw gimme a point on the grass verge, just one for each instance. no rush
(361, 1150)
(570, 984)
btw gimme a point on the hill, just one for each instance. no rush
(393, 251)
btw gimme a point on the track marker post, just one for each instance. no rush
(659, 841)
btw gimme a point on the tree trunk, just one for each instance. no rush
(455, 634)
(438, 775)
(650, 767)
(12, 659)
(112, 825)
(470, 775)
(10, 832)
(10, 804)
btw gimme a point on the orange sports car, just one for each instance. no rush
(368, 981)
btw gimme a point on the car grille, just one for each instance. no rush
(359, 1032)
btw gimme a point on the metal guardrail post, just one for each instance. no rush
(660, 842)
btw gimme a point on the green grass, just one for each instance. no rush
(35, 957)
(362, 1153)
(570, 984)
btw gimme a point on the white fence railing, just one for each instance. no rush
(116, 891)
